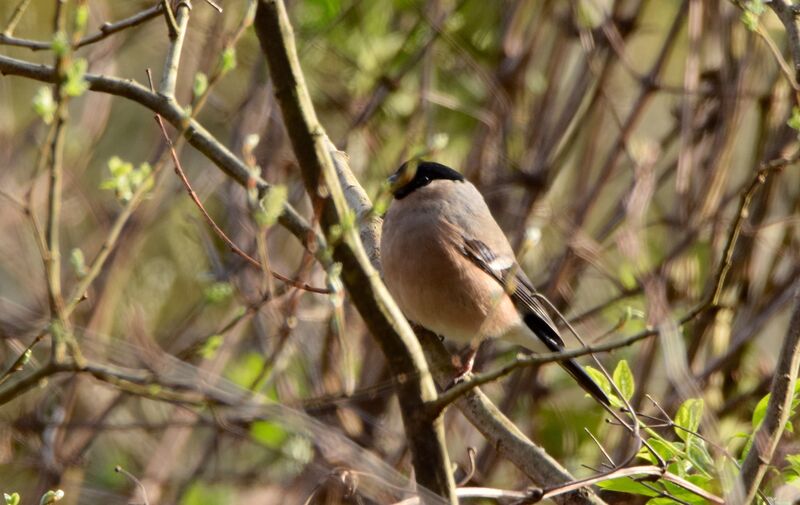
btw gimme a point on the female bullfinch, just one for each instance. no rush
(451, 269)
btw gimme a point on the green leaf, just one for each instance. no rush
(246, 369)
(688, 417)
(600, 378)
(11, 499)
(78, 262)
(759, 412)
(271, 205)
(626, 485)
(218, 292)
(794, 466)
(623, 378)
(227, 61)
(268, 434)
(51, 497)
(210, 346)
(750, 20)
(43, 104)
(684, 495)
(627, 275)
(125, 179)
(76, 84)
(118, 167)
(794, 119)
(697, 452)
(667, 451)
(200, 493)
(753, 9)
(200, 84)
(602, 381)
(60, 44)
(81, 18)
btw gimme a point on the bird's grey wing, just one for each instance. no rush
(507, 272)
(509, 275)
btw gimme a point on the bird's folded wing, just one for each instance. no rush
(507, 272)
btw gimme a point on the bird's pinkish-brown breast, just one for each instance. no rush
(432, 282)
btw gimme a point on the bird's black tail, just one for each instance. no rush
(586, 382)
(541, 325)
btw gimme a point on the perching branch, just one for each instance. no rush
(779, 408)
(382, 316)
(502, 434)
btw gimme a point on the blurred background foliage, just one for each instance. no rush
(611, 142)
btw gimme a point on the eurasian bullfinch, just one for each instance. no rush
(451, 269)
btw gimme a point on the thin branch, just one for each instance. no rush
(192, 130)
(535, 495)
(455, 392)
(29, 381)
(321, 174)
(106, 29)
(23, 359)
(743, 211)
(221, 234)
(169, 77)
(787, 16)
(779, 408)
(79, 292)
(214, 5)
(52, 259)
(634, 471)
(136, 481)
(19, 10)
(501, 433)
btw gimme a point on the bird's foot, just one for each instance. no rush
(464, 366)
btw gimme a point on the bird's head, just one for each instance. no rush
(415, 174)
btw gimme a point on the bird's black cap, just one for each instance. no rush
(414, 174)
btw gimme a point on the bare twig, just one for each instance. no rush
(23, 358)
(192, 130)
(214, 5)
(425, 433)
(535, 495)
(169, 78)
(502, 434)
(221, 234)
(136, 481)
(19, 10)
(634, 471)
(788, 18)
(779, 408)
(106, 30)
(52, 260)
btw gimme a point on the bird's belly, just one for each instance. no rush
(442, 291)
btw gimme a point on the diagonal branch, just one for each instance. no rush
(415, 388)
(779, 408)
(200, 138)
(220, 233)
(106, 30)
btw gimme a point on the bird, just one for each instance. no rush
(450, 268)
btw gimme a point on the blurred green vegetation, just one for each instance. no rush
(552, 108)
